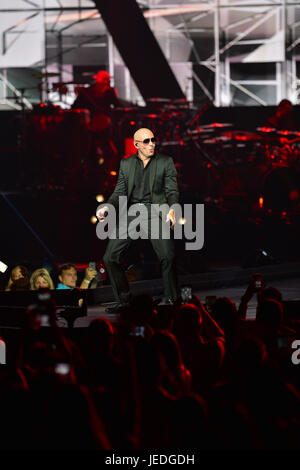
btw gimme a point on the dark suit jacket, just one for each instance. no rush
(163, 180)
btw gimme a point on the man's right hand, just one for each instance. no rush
(100, 213)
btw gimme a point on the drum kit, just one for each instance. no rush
(252, 164)
(219, 158)
(224, 161)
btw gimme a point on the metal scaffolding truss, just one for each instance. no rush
(236, 52)
(251, 48)
(18, 101)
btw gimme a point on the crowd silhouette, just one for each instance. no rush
(167, 378)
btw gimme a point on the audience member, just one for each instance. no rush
(136, 386)
(177, 379)
(67, 276)
(202, 344)
(153, 421)
(19, 279)
(97, 350)
(69, 421)
(41, 279)
(41, 336)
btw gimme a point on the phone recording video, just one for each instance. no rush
(62, 368)
(44, 320)
(186, 294)
(258, 281)
(3, 267)
(138, 331)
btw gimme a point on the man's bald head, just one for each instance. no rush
(145, 149)
(142, 133)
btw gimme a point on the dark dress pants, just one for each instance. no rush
(164, 249)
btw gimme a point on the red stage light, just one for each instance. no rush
(267, 129)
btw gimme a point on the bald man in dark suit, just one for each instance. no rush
(145, 178)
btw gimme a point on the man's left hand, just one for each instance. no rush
(171, 217)
(90, 274)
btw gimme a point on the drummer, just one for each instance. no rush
(99, 98)
(282, 119)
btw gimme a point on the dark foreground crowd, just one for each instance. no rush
(164, 378)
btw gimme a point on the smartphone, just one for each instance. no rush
(138, 331)
(62, 368)
(186, 294)
(92, 265)
(3, 267)
(209, 302)
(258, 280)
(44, 320)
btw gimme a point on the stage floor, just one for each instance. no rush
(290, 289)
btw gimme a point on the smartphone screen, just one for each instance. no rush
(258, 280)
(62, 368)
(186, 294)
(92, 265)
(3, 267)
(138, 331)
(44, 320)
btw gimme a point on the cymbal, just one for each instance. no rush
(266, 129)
(242, 136)
(284, 132)
(179, 100)
(159, 100)
(200, 130)
(46, 74)
(217, 140)
(277, 132)
(126, 110)
(171, 106)
(214, 125)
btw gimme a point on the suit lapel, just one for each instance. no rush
(131, 171)
(152, 172)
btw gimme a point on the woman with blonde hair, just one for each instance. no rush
(41, 278)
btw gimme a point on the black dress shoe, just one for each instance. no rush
(118, 308)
